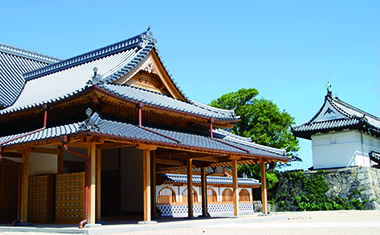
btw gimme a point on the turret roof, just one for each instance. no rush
(336, 115)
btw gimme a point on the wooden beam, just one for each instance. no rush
(11, 154)
(232, 157)
(146, 147)
(201, 164)
(190, 203)
(170, 162)
(264, 199)
(91, 153)
(98, 183)
(208, 159)
(79, 145)
(112, 145)
(147, 186)
(24, 186)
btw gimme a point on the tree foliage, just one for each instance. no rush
(261, 120)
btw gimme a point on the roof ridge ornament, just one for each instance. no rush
(91, 123)
(96, 79)
(328, 87)
(147, 37)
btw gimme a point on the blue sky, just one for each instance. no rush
(288, 50)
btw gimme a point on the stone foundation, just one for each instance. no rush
(341, 182)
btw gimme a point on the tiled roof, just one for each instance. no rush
(69, 77)
(128, 128)
(14, 62)
(337, 115)
(246, 143)
(164, 101)
(374, 156)
(177, 178)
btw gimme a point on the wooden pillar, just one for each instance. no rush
(147, 186)
(98, 184)
(60, 160)
(147, 180)
(190, 200)
(264, 199)
(235, 186)
(204, 191)
(153, 181)
(24, 187)
(91, 153)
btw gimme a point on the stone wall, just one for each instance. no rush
(346, 183)
(342, 182)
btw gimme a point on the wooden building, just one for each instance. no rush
(89, 134)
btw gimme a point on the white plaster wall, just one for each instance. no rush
(198, 189)
(42, 164)
(343, 149)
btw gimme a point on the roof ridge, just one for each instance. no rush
(18, 51)
(211, 108)
(143, 89)
(240, 140)
(138, 41)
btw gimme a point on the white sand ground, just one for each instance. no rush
(289, 223)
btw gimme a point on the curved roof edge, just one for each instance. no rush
(138, 41)
(28, 54)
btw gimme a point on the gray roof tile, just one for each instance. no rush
(14, 62)
(164, 101)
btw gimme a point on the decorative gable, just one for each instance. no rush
(327, 113)
(149, 74)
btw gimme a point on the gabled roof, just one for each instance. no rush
(215, 180)
(336, 115)
(66, 78)
(14, 62)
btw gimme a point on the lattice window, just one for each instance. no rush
(184, 196)
(227, 195)
(244, 196)
(166, 195)
(211, 195)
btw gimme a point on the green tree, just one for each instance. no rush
(262, 121)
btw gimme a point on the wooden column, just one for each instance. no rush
(91, 153)
(264, 199)
(147, 180)
(98, 184)
(147, 186)
(235, 187)
(153, 181)
(60, 160)
(204, 191)
(24, 187)
(190, 200)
